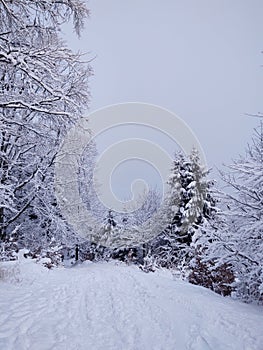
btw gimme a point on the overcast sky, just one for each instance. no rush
(200, 59)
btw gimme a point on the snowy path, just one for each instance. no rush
(108, 307)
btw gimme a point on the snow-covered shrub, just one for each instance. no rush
(249, 285)
(51, 257)
(8, 251)
(149, 264)
(219, 278)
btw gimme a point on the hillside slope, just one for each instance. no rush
(107, 306)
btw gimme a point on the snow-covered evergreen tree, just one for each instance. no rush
(185, 208)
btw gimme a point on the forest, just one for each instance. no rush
(208, 234)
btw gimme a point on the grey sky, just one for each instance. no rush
(200, 59)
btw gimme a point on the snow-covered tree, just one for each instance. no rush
(237, 238)
(203, 269)
(186, 206)
(146, 206)
(43, 91)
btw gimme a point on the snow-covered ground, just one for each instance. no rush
(106, 306)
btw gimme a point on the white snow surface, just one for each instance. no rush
(108, 306)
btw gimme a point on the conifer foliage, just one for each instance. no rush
(187, 205)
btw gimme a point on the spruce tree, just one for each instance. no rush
(186, 207)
